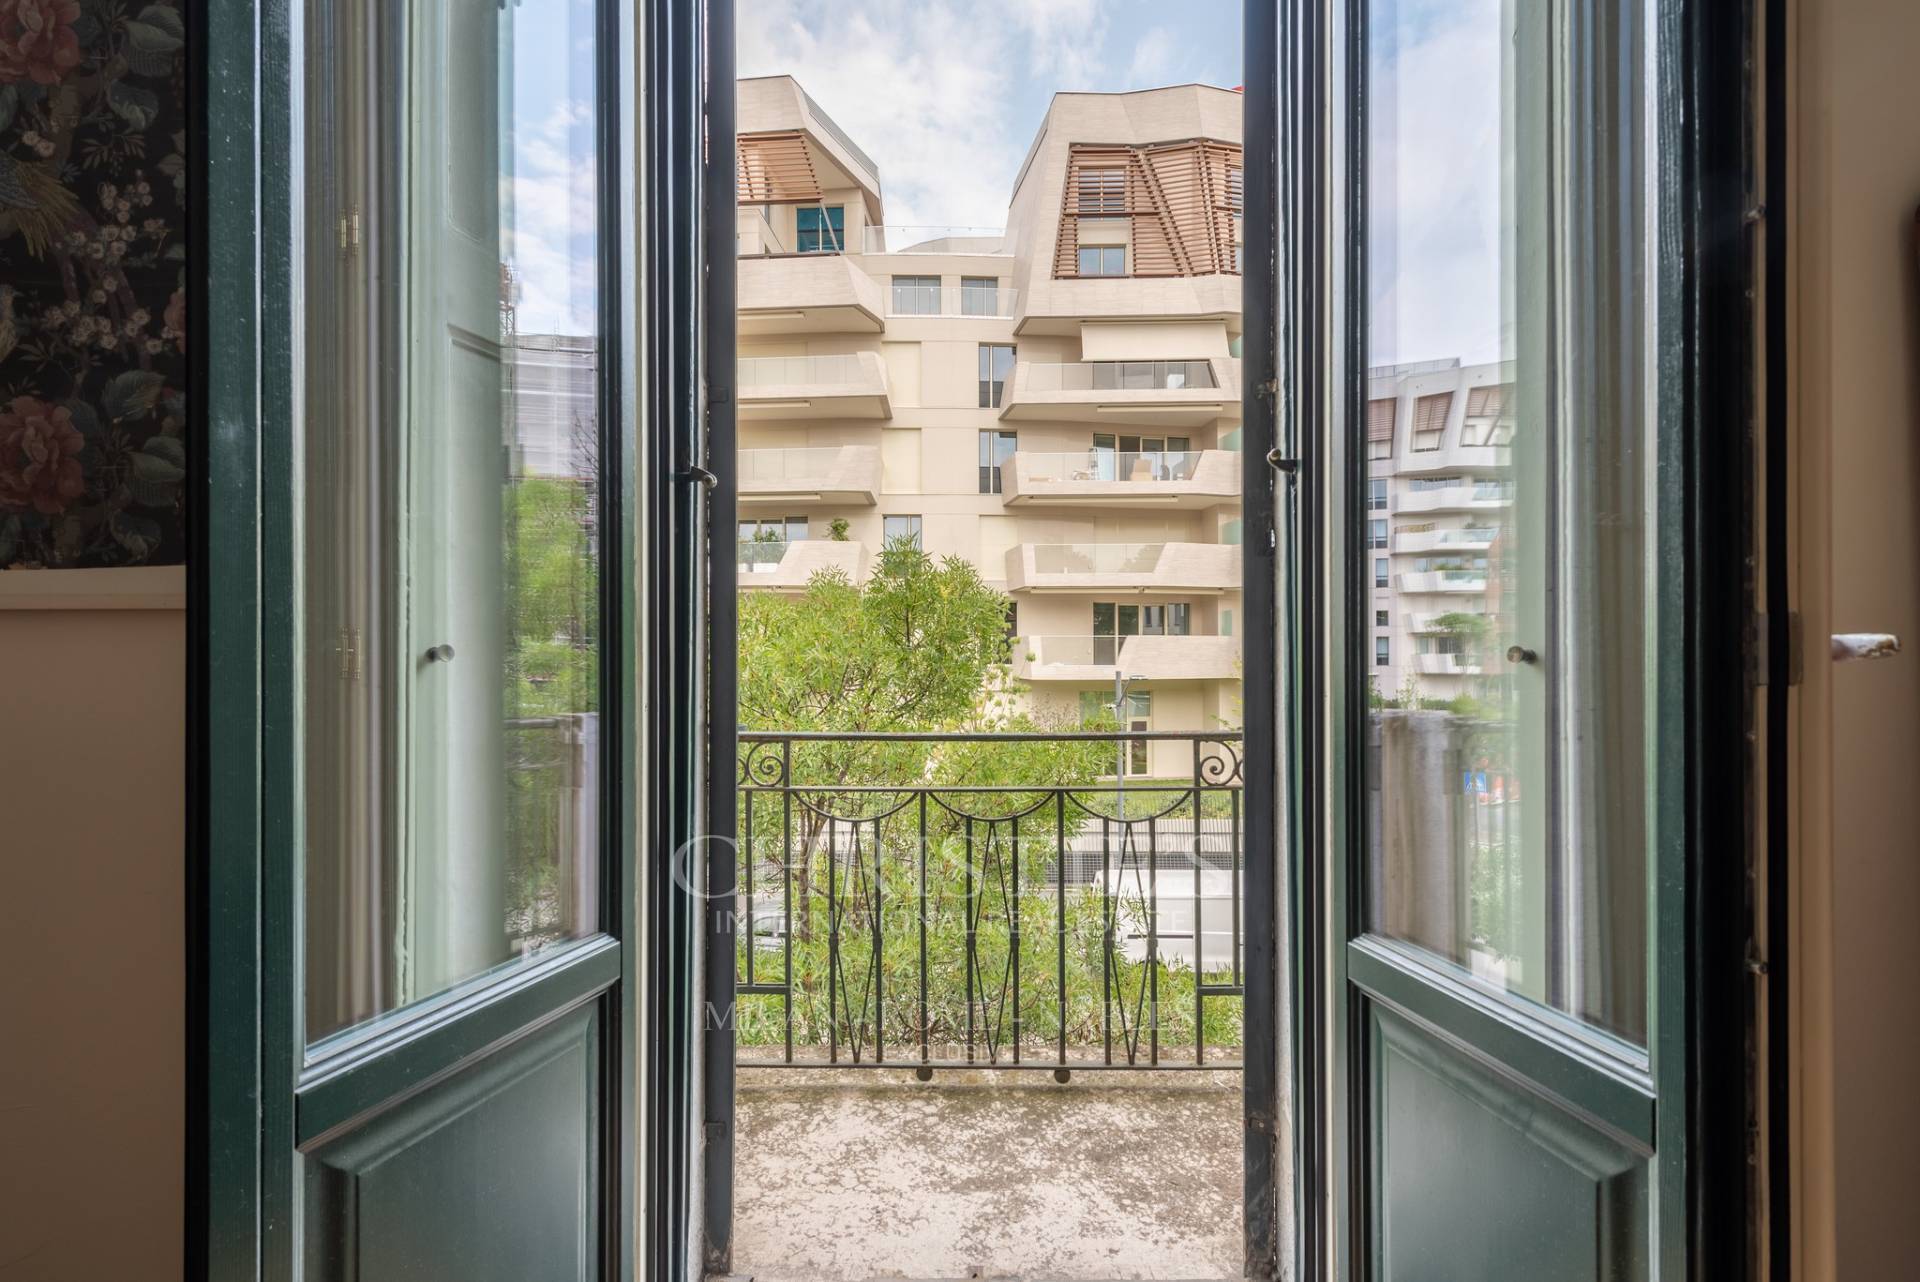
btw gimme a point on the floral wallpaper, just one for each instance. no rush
(92, 283)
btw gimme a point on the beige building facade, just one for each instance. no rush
(1058, 401)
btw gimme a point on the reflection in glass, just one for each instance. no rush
(450, 497)
(1505, 433)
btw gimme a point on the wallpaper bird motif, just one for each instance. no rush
(93, 314)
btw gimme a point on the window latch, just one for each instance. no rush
(697, 473)
(1281, 463)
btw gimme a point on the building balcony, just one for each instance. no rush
(852, 385)
(788, 566)
(1122, 394)
(1471, 539)
(1453, 458)
(1106, 478)
(1436, 621)
(842, 475)
(1467, 496)
(1111, 567)
(1464, 581)
(1445, 665)
(1051, 1125)
(1058, 306)
(808, 294)
(1153, 658)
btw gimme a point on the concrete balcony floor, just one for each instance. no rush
(850, 1174)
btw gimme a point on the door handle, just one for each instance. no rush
(1848, 646)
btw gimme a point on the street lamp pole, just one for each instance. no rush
(1120, 684)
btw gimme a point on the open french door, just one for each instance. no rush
(1519, 388)
(420, 774)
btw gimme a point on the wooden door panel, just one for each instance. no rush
(1478, 1177)
(490, 1174)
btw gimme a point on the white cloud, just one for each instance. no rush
(946, 95)
(1153, 61)
(924, 90)
(1435, 170)
(549, 200)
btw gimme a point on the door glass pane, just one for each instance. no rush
(1506, 765)
(450, 443)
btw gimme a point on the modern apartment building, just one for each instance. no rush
(1058, 400)
(1439, 502)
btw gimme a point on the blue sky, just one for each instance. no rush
(946, 95)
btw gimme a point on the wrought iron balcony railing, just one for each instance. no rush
(895, 908)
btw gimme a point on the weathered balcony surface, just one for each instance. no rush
(808, 293)
(841, 475)
(1155, 567)
(854, 1174)
(789, 566)
(1466, 496)
(1466, 580)
(1160, 394)
(1095, 478)
(1156, 658)
(1060, 306)
(1477, 538)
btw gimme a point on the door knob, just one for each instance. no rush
(442, 653)
(1848, 646)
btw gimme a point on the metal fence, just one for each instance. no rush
(912, 900)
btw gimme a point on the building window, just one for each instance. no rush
(1487, 421)
(1377, 534)
(1103, 260)
(820, 230)
(916, 295)
(1380, 428)
(1381, 651)
(979, 296)
(1226, 621)
(1379, 571)
(996, 449)
(1430, 421)
(996, 365)
(1377, 494)
(1379, 618)
(898, 530)
(1102, 191)
(1013, 627)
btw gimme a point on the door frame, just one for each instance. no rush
(1269, 1196)
(1702, 121)
(244, 1057)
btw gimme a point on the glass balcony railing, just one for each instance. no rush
(903, 238)
(797, 463)
(800, 371)
(1142, 466)
(1117, 376)
(1096, 558)
(759, 556)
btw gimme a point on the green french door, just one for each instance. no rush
(417, 650)
(1511, 794)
